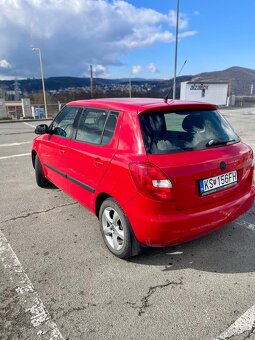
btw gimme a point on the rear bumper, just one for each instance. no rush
(160, 224)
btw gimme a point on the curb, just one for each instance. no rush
(24, 120)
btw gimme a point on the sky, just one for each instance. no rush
(123, 39)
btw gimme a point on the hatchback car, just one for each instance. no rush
(155, 172)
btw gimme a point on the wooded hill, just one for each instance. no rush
(241, 79)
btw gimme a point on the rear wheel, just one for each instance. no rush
(116, 230)
(41, 180)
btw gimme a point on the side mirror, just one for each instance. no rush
(41, 129)
(59, 132)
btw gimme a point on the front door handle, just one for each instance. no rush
(99, 162)
(62, 150)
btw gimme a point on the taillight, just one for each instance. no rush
(253, 164)
(151, 181)
(251, 160)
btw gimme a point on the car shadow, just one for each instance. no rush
(226, 250)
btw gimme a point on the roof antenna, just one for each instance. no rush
(168, 93)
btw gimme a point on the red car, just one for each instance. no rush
(155, 172)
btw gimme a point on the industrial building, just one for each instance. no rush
(205, 91)
(12, 105)
(15, 109)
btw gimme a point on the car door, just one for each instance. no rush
(93, 147)
(55, 145)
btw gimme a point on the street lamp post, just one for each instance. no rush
(176, 48)
(41, 67)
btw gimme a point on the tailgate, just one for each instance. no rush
(187, 169)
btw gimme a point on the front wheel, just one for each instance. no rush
(116, 230)
(41, 180)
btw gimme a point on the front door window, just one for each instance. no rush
(63, 124)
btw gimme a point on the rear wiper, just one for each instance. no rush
(214, 142)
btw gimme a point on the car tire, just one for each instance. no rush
(117, 231)
(41, 180)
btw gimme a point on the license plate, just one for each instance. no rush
(212, 184)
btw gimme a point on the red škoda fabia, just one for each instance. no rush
(155, 173)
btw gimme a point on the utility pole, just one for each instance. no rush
(251, 91)
(230, 87)
(91, 82)
(130, 88)
(176, 48)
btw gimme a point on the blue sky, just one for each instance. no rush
(124, 38)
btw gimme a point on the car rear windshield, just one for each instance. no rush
(173, 132)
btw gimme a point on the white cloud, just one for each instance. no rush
(136, 69)
(5, 77)
(196, 13)
(4, 64)
(183, 22)
(75, 33)
(152, 68)
(100, 71)
(187, 34)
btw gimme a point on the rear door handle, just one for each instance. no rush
(62, 150)
(99, 162)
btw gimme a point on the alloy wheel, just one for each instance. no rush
(113, 228)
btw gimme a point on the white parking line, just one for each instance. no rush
(30, 125)
(14, 144)
(14, 156)
(29, 299)
(246, 323)
(247, 225)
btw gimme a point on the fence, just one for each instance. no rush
(52, 109)
(245, 101)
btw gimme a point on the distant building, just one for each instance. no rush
(15, 109)
(3, 111)
(205, 91)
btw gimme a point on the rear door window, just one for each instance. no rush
(173, 132)
(96, 126)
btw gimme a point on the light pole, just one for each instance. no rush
(176, 48)
(37, 49)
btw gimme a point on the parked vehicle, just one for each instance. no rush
(155, 172)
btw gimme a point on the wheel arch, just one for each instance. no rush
(33, 155)
(99, 200)
(135, 247)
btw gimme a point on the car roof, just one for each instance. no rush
(142, 105)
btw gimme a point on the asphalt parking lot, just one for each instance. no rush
(58, 280)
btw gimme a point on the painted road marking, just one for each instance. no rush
(30, 125)
(14, 156)
(246, 323)
(29, 299)
(247, 225)
(14, 144)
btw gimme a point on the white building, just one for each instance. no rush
(207, 91)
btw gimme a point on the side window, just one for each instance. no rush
(96, 126)
(110, 127)
(62, 125)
